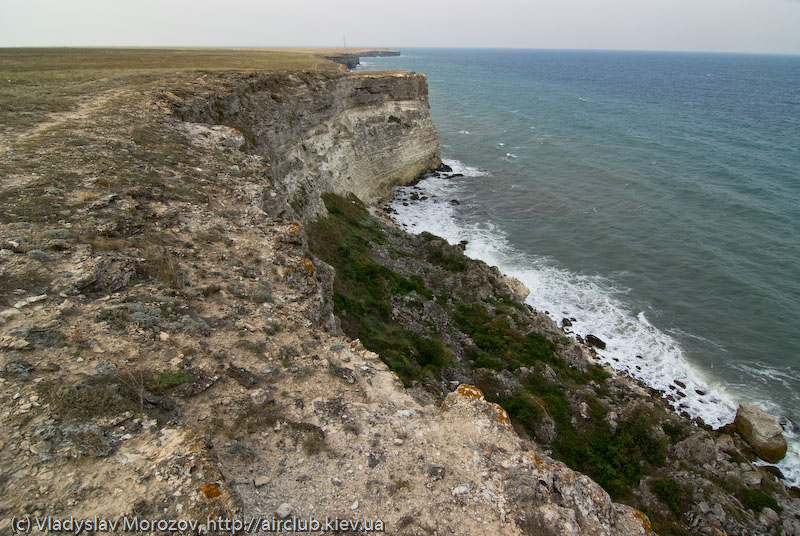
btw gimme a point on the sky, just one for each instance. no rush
(756, 26)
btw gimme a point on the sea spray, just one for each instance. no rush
(594, 304)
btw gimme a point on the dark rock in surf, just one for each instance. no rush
(597, 342)
(774, 471)
(444, 168)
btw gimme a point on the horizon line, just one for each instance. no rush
(399, 48)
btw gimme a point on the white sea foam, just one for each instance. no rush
(460, 167)
(634, 345)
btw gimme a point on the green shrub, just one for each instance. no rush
(362, 291)
(672, 493)
(674, 430)
(481, 359)
(523, 411)
(756, 500)
(501, 345)
(449, 261)
(166, 380)
(615, 461)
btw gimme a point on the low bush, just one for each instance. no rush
(363, 288)
(166, 380)
(756, 500)
(671, 493)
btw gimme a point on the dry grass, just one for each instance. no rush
(37, 82)
(59, 61)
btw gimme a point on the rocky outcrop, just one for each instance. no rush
(348, 60)
(361, 133)
(171, 351)
(762, 431)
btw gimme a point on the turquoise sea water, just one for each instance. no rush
(654, 197)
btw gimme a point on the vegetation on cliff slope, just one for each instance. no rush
(434, 315)
(502, 338)
(362, 291)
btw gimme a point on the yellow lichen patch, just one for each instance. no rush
(532, 458)
(463, 392)
(644, 519)
(502, 415)
(211, 491)
(469, 391)
(309, 266)
(295, 229)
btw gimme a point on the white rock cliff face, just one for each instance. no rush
(360, 133)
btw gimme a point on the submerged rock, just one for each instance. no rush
(761, 431)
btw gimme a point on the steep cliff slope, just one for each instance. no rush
(360, 133)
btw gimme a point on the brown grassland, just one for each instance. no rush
(35, 82)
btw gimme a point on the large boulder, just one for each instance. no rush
(762, 431)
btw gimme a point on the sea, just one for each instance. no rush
(652, 197)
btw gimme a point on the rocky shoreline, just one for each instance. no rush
(352, 60)
(200, 319)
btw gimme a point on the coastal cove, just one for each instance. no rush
(206, 313)
(650, 197)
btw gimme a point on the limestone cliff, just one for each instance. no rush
(360, 133)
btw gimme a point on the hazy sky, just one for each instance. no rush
(704, 25)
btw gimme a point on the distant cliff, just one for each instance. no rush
(360, 133)
(351, 59)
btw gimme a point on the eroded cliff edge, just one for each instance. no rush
(170, 350)
(359, 133)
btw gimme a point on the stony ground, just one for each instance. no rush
(169, 350)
